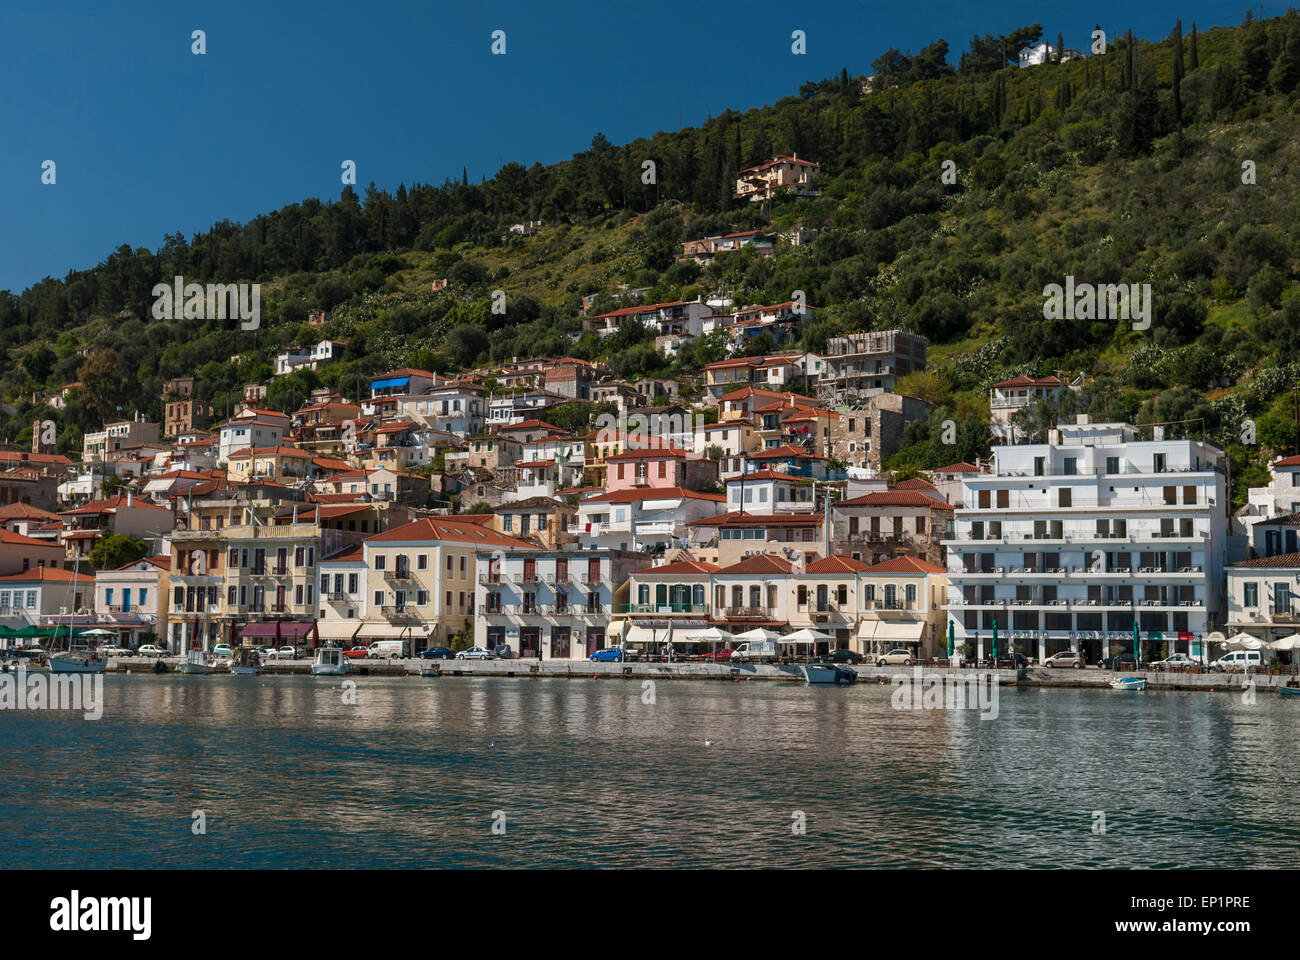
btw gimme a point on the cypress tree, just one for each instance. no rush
(1196, 62)
(1178, 72)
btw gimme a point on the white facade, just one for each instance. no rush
(547, 604)
(1065, 544)
(242, 434)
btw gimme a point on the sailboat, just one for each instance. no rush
(78, 658)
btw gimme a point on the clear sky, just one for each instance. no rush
(150, 139)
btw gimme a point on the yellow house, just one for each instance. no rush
(286, 465)
(421, 579)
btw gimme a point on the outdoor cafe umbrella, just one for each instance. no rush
(1137, 644)
(759, 633)
(97, 632)
(1287, 643)
(995, 641)
(712, 635)
(1239, 640)
(806, 637)
(952, 640)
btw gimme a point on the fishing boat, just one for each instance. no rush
(827, 674)
(196, 660)
(1288, 691)
(1129, 683)
(246, 662)
(330, 662)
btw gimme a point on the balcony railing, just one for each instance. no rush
(398, 576)
(749, 612)
(400, 613)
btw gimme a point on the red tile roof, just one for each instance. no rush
(896, 498)
(960, 467)
(633, 494)
(738, 519)
(458, 530)
(762, 563)
(1024, 381)
(783, 453)
(905, 565)
(837, 564)
(48, 575)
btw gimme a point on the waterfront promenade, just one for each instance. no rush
(586, 670)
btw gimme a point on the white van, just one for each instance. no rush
(759, 650)
(387, 649)
(1239, 660)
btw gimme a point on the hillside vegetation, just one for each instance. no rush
(1125, 167)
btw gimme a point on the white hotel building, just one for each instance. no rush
(1065, 543)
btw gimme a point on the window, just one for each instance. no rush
(379, 598)
(352, 583)
(1004, 498)
(422, 561)
(379, 563)
(1071, 465)
(421, 597)
(1066, 497)
(1112, 464)
(1250, 595)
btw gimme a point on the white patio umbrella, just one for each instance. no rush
(97, 632)
(806, 636)
(712, 636)
(759, 633)
(1286, 643)
(1243, 640)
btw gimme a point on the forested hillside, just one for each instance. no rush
(1122, 167)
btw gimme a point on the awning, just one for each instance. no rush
(391, 631)
(390, 382)
(898, 631)
(265, 629)
(337, 629)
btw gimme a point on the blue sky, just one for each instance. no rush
(150, 139)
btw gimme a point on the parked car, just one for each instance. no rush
(116, 652)
(1176, 660)
(1239, 660)
(286, 653)
(149, 650)
(898, 655)
(503, 652)
(266, 653)
(1066, 658)
(721, 655)
(222, 650)
(841, 656)
(1120, 661)
(357, 652)
(608, 655)
(475, 653)
(432, 653)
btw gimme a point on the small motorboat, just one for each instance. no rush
(1129, 683)
(827, 674)
(1288, 691)
(330, 662)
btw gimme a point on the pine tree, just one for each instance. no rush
(1285, 74)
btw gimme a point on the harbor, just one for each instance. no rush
(1210, 682)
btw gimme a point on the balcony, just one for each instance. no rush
(400, 613)
(401, 575)
(661, 608)
(490, 578)
(764, 613)
(336, 596)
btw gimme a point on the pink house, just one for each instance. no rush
(663, 466)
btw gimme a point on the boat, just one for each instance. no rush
(330, 662)
(827, 674)
(1129, 683)
(1288, 691)
(246, 662)
(79, 658)
(195, 662)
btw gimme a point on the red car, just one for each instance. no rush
(356, 653)
(717, 656)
